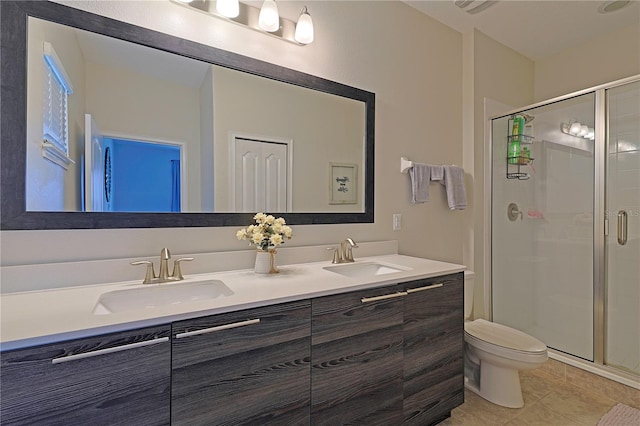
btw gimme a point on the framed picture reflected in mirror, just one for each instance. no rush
(343, 183)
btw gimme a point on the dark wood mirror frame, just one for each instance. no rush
(13, 108)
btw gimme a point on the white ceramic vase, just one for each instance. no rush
(265, 262)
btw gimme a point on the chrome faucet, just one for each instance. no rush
(163, 276)
(346, 247)
(345, 253)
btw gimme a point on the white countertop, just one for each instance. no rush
(41, 317)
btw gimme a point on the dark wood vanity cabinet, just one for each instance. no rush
(357, 345)
(386, 356)
(245, 367)
(115, 379)
(389, 356)
(433, 348)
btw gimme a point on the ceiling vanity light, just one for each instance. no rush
(577, 129)
(591, 134)
(228, 8)
(584, 129)
(304, 28)
(574, 129)
(266, 19)
(269, 19)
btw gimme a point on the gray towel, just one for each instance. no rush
(420, 178)
(437, 173)
(454, 184)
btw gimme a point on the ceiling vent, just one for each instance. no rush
(474, 6)
(611, 6)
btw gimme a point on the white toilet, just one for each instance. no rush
(494, 353)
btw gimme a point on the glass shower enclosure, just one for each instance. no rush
(622, 242)
(565, 224)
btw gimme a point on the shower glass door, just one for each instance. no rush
(542, 226)
(622, 244)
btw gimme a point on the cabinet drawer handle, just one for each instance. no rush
(218, 328)
(428, 287)
(383, 297)
(108, 350)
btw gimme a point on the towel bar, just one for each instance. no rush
(405, 164)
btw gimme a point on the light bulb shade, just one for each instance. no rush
(304, 28)
(228, 8)
(269, 19)
(584, 129)
(575, 128)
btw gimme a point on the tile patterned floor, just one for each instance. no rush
(549, 400)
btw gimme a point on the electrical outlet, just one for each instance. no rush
(397, 221)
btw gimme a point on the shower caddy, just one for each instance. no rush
(514, 163)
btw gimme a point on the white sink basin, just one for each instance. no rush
(364, 269)
(155, 295)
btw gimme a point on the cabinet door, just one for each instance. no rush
(356, 354)
(433, 348)
(246, 367)
(115, 379)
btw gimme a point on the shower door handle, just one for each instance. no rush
(622, 227)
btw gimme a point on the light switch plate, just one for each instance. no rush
(397, 221)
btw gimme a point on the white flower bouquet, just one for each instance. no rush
(267, 233)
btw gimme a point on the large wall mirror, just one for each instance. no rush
(110, 125)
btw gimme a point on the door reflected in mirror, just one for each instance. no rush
(152, 131)
(124, 175)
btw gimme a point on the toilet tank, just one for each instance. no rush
(469, 278)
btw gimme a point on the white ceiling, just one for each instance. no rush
(535, 28)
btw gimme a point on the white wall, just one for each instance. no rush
(411, 62)
(608, 58)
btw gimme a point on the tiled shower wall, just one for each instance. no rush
(563, 243)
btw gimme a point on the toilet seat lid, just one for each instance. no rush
(504, 336)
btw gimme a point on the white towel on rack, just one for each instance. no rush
(454, 183)
(420, 178)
